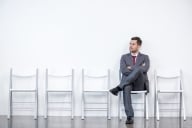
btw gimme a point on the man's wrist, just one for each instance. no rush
(129, 67)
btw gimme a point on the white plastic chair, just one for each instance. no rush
(104, 92)
(172, 75)
(145, 95)
(69, 90)
(13, 89)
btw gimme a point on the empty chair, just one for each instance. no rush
(177, 88)
(145, 101)
(17, 88)
(88, 89)
(64, 88)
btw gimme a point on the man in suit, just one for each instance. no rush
(133, 67)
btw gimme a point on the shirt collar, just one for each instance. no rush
(135, 54)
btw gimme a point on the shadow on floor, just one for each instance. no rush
(91, 122)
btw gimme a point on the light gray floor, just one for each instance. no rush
(91, 122)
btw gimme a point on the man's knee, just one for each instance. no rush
(127, 88)
(139, 70)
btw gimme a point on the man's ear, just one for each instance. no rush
(139, 47)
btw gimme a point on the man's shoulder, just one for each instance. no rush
(125, 55)
(128, 54)
(143, 54)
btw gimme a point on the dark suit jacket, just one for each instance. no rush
(142, 62)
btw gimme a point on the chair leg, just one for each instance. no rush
(119, 107)
(82, 107)
(120, 110)
(46, 104)
(155, 106)
(36, 105)
(108, 106)
(9, 105)
(180, 105)
(72, 106)
(146, 106)
(183, 105)
(157, 109)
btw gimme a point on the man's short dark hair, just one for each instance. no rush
(138, 39)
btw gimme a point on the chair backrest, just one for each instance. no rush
(172, 79)
(55, 81)
(95, 80)
(23, 81)
(120, 75)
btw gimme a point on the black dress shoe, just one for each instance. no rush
(129, 120)
(114, 91)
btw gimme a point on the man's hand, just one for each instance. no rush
(129, 67)
(143, 65)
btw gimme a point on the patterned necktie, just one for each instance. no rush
(134, 59)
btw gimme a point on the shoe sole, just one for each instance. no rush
(129, 123)
(113, 93)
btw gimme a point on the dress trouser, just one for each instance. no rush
(136, 77)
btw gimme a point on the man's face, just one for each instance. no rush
(134, 47)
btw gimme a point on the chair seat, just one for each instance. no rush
(96, 90)
(23, 90)
(170, 91)
(136, 92)
(49, 90)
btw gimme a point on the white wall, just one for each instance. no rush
(93, 34)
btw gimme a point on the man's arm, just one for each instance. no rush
(123, 67)
(145, 66)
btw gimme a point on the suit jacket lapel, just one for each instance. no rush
(138, 60)
(130, 59)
